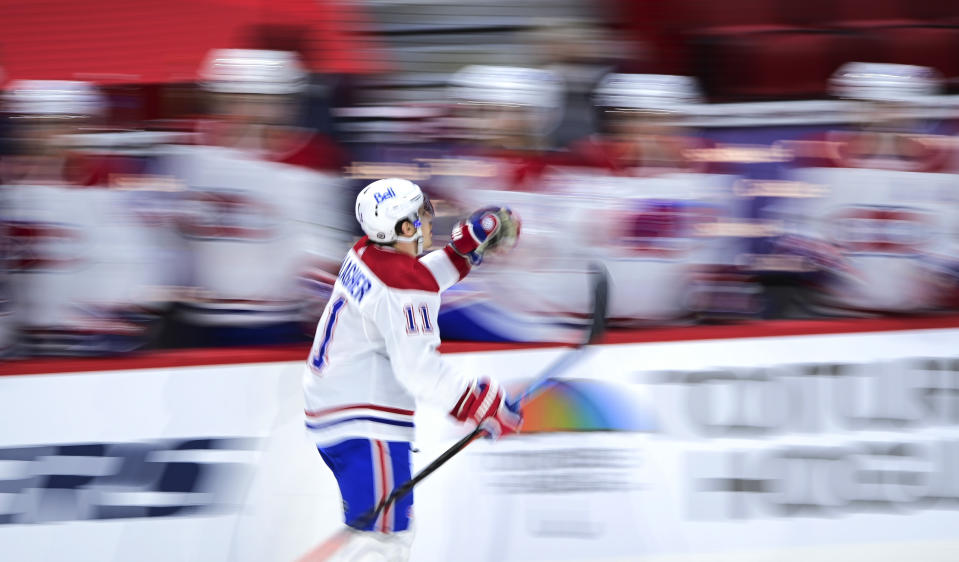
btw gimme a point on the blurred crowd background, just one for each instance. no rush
(182, 174)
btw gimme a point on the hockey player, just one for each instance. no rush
(84, 272)
(636, 196)
(375, 354)
(505, 114)
(259, 190)
(662, 199)
(888, 208)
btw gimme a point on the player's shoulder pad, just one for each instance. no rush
(310, 150)
(395, 269)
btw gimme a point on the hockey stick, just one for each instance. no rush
(597, 327)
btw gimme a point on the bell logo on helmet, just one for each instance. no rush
(381, 205)
(380, 197)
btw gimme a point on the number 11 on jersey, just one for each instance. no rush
(423, 311)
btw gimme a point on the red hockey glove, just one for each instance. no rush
(484, 404)
(485, 230)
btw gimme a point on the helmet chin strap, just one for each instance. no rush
(417, 237)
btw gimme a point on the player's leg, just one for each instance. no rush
(367, 471)
(369, 546)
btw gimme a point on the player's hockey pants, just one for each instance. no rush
(367, 470)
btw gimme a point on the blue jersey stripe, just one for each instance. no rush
(359, 418)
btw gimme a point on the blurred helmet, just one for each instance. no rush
(507, 85)
(872, 81)
(654, 92)
(535, 93)
(53, 97)
(252, 71)
(384, 203)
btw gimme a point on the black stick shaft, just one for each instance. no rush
(400, 492)
(596, 329)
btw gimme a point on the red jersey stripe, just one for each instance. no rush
(318, 413)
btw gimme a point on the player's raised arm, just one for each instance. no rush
(490, 229)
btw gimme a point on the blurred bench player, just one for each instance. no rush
(375, 354)
(637, 196)
(502, 115)
(84, 251)
(259, 190)
(887, 210)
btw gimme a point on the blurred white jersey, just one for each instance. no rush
(649, 229)
(88, 265)
(894, 219)
(375, 350)
(251, 226)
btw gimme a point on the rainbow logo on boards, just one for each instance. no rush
(587, 405)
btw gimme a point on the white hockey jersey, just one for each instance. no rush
(252, 223)
(891, 212)
(89, 262)
(375, 349)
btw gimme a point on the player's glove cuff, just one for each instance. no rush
(484, 230)
(484, 403)
(470, 237)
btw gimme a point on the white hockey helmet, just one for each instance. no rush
(538, 91)
(871, 81)
(507, 85)
(381, 205)
(652, 92)
(53, 98)
(252, 71)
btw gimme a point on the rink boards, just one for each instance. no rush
(806, 444)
